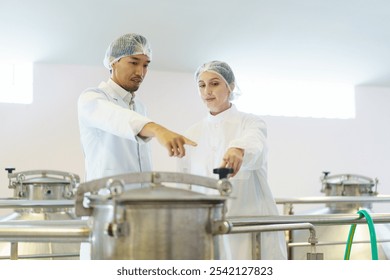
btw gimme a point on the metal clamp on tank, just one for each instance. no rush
(94, 186)
(116, 228)
(17, 185)
(224, 186)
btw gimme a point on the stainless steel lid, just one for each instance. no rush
(42, 177)
(348, 179)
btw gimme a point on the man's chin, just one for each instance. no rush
(133, 89)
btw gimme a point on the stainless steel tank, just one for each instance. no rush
(333, 239)
(153, 222)
(41, 185)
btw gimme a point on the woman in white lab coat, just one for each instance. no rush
(229, 138)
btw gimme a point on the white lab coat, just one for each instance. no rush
(108, 131)
(251, 194)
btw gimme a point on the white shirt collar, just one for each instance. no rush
(124, 94)
(221, 116)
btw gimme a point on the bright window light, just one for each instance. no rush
(297, 99)
(16, 83)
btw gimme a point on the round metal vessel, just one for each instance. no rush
(348, 185)
(334, 238)
(155, 222)
(47, 185)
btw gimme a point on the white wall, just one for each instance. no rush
(44, 135)
(302, 148)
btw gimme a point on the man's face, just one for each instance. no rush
(129, 71)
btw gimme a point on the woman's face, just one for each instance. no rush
(214, 92)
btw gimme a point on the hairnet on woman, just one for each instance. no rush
(225, 72)
(229, 138)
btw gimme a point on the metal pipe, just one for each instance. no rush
(40, 256)
(14, 251)
(277, 227)
(329, 219)
(305, 244)
(256, 245)
(45, 231)
(256, 238)
(23, 203)
(327, 199)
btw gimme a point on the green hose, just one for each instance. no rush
(370, 223)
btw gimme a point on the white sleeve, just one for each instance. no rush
(252, 140)
(95, 110)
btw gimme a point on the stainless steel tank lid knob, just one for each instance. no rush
(10, 170)
(223, 172)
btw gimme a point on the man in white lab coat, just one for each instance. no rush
(114, 129)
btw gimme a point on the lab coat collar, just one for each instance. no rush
(120, 91)
(223, 115)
